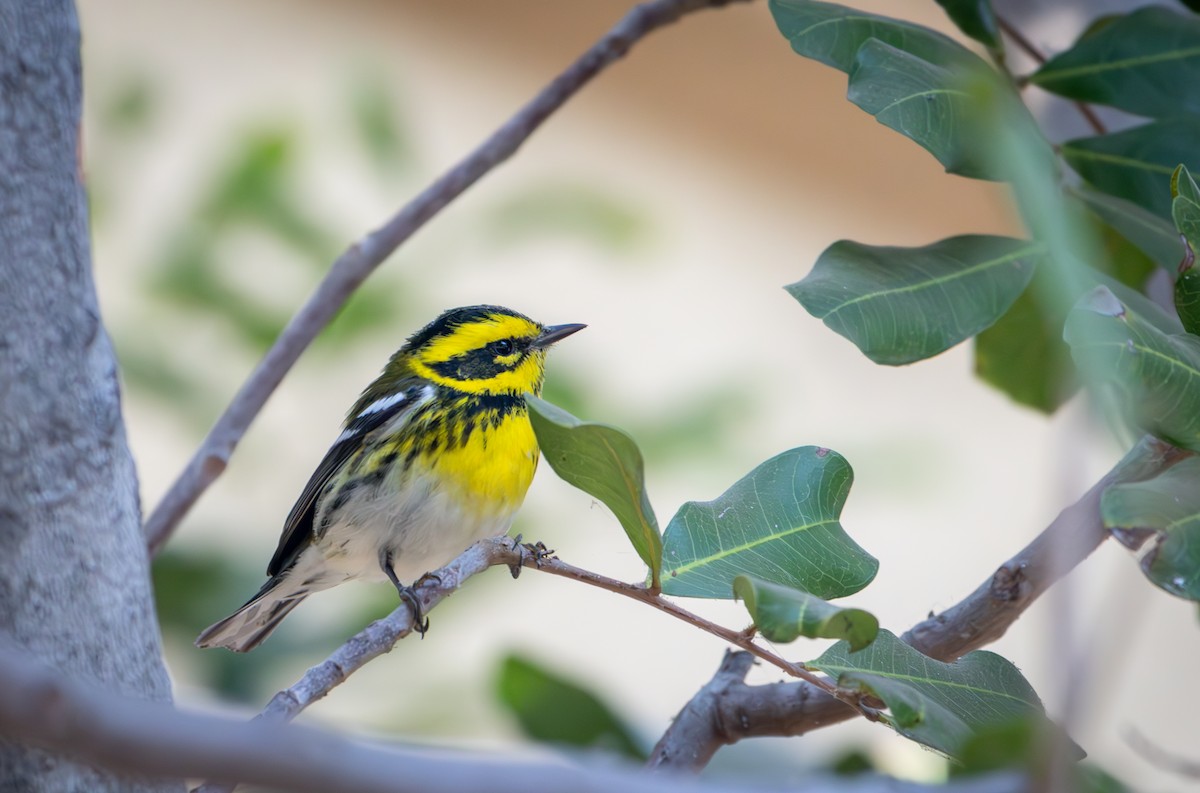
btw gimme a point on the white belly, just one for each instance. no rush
(422, 528)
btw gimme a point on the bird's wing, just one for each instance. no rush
(298, 529)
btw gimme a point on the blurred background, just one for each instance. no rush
(234, 149)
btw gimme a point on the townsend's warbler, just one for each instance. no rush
(437, 453)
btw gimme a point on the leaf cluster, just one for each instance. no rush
(775, 541)
(1064, 307)
(1057, 310)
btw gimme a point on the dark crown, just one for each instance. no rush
(454, 318)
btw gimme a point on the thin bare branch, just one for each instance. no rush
(1186, 767)
(786, 709)
(361, 259)
(137, 737)
(643, 594)
(1028, 47)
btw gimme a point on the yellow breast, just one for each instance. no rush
(492, 467)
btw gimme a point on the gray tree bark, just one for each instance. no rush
(74, 575)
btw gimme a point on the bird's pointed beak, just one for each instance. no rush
(554, 333)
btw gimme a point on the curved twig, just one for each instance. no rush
(360, 260)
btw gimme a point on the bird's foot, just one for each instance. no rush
(408, 594)
(537, 550)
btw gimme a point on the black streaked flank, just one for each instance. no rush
(343, 495)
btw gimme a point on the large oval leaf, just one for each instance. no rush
(934, 703)
(783, 614)
(900, 305)
(1157, 374)
(925, 102)
(1137, 163)
(832, 34)
(1136, 62)
(778, 523)
(1169, 504)
(603, 462)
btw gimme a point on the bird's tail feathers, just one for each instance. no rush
(246, 628)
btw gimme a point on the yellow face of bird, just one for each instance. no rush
(484, 350)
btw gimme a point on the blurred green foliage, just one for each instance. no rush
(131, 106)
(552, 709)
(385, 136)
(576, 211)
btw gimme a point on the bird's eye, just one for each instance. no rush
(504, 347)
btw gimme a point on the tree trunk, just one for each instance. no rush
(74, 576)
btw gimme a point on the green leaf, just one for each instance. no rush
(937, 704)
(1146, 309)
(1187, 300)
(555, 710)
(1024, 356)
(1169, 505)
(782, 614)
(1149, 232)
(1137, 163)
(605, 463)
(1186, 214)
(778, 523)
(1138, 63)
(1156, 374)
(976, 19)
(1182, 184)
(1018, 744)
(1185, 206)
(1185, 210)
(925, 102)
(832, 34)
(900, 305)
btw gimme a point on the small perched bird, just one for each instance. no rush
(437, 453)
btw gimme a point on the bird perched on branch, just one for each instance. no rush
(437, 453)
